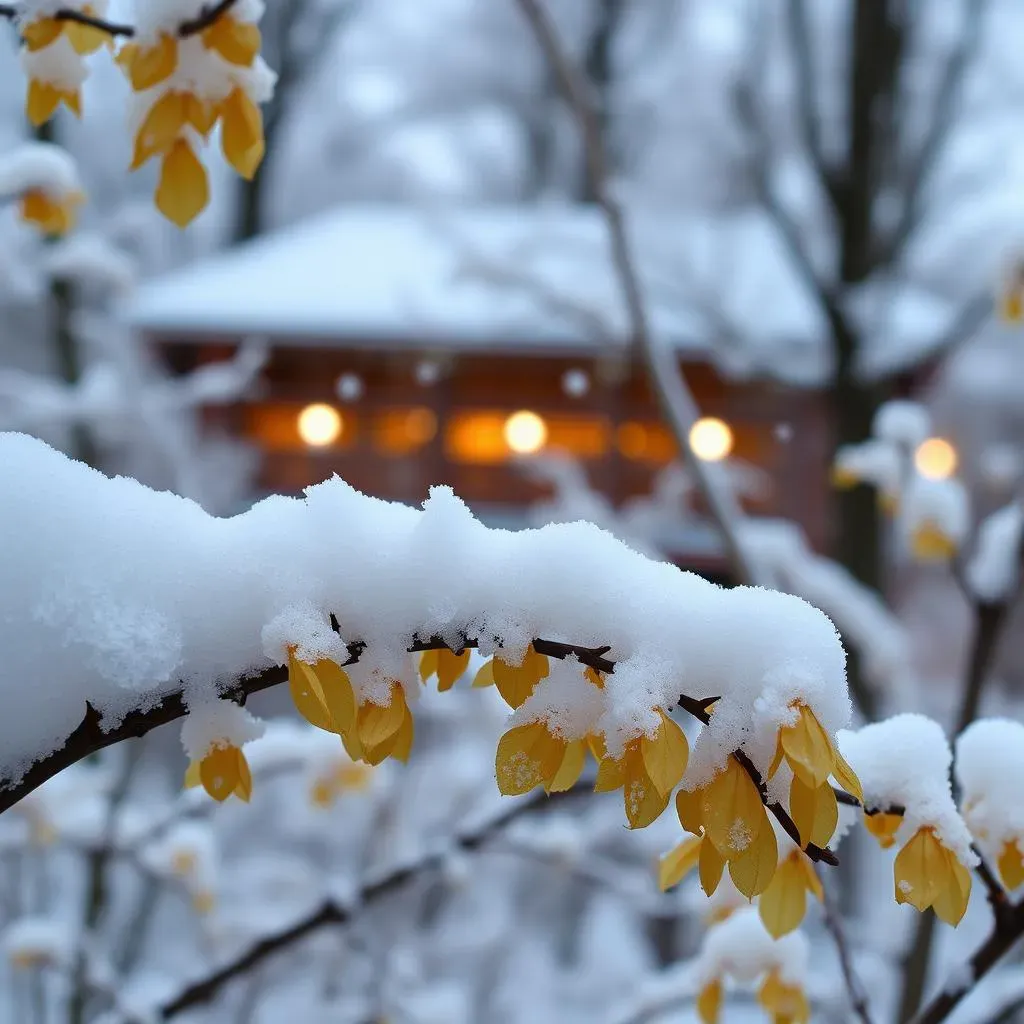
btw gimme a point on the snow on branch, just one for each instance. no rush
(191, 26)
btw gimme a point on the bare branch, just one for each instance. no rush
(923, 164)
(206, 17)
(854, 989)
(333, 913)
(678, 406)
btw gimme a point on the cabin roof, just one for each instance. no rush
(521, 278)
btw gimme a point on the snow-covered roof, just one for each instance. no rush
(472, 277)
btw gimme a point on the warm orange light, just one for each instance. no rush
(711, 439)
(525, 432)
(935, 459)
(320, 425)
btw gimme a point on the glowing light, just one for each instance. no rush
(525, 432)
(320, 425)
(710, 439)
(935, 459)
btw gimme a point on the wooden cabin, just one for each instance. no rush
(405, 354)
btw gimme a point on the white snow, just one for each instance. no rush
(37, 942)
(905, 761)
(994, 569)
(989, 767)
(740, 947)
(116, 594)
(38, 165)
(902, 422)
(211, 723)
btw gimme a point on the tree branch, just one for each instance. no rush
(677, 402)
(206, 17)
(857, 996)
(334, 913)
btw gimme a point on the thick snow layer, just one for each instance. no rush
(905, 761)
(902, 422)
(994, 569)
(989, 769)
(38, 165)
(741, 948)
(116, 594)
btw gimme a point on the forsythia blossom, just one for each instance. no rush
(44, 178)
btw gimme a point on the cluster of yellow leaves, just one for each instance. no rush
(167, 129)
(174, 119)
(930, 543)
(343, 777)
(731, 827)
(926, 873)
(370, 732)
(785, 1002)
(221, 771)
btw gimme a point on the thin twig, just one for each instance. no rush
(206, 17)
(333, 913)
(854, 989)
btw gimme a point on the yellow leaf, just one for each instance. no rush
(780, 753)
(308, 695)
(1011, 306)
(40, 33)
(428, 665)
(812, 883)
(920, 870)
(450, 668)
(593, 676)
(784, 902)
(688, 807)
(665, 755)
(527, 757)
(86, 39)
(337, 694)
(786, 1003)
(611, 774)
(883, 827)
(219, 772)
(643, 801)
(241, 135)
(570, 769)
(731, 810)
(709, 1002)
(150, 65)
(398, 745)
(192, 776)
(350, 741)
(845, 775)
(1011, 865)
(752, 871)
(815, 812)
(237, 42)
(201, 114)
(951, 903)
(485, 675)
(597, 746)
(710, 865)
(930, 543)
(41, 102)
(49, 215)
(515, 683)
(160, 129)
(678, 863)
(243, 788)
(183, 191)
(808, 748)
(376, 723)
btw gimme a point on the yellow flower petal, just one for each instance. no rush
(786, 1003)
(516, 683)
(665, 755)
(450, 668)
(688, 807)
(485, 675)
(192, 776)
(376, 723)
(241, 134)
(815, 812)
(527, 757)
(243, 788)
(920, 870)
(709, 1002)
(161, 128)
(398, 745)
(1011, 865)
(183, 191)
(845, 775)
(752, 871)
(783, 904)
(883, 827)
(308, 695)
(678, 863)
(41, 102)
(611, 774)
(808, 748)
(219, 771)
(571, 768)
(237, 42)
(336, 689)
(951, 903)
(930, 543)
(427, 665)
(86, 39)
(40, 33)
(150, 65)
(643, 801)
(710, 865)
(731, 810)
